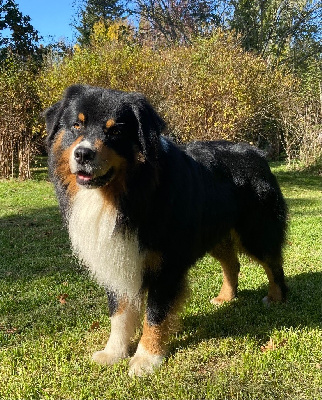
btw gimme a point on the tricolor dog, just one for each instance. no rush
(141, 210)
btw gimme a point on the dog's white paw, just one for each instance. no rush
(105, 357)
(140, 365)
(144, 363)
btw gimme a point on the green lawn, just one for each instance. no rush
(53, 316)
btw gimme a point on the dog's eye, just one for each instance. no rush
(77, 125)
(113, 128)
(113, 131)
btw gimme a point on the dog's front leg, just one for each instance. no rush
(151, 349)
(162, 307)
(124, 321)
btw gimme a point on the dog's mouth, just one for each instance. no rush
(91, 181)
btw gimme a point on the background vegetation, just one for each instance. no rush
(237, 70)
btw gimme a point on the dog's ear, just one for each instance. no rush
(150, 125)
(74, 91)
(54, 113)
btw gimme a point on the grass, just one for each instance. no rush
(53, 316)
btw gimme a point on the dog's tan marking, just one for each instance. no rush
(274, 291)
(226, 253)
(140, 157)
(109, 123)
(151, 349)
(81, 117)
(57, 146)
(63, 169)
(153, 344)
(122, 305)
(154, 337)
(99, 147)
(144, 362)
(108, 156)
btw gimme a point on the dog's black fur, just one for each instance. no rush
(179, 201)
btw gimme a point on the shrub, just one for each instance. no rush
(210, 89)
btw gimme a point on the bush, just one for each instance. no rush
(208, 90)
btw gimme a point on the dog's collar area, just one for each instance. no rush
(88, 180)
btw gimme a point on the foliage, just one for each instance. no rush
(19, 117)
(175, 21)
(275, 28)
(20, 59)
(53, 316)
(278, 30)
(207, 90)
(91, 12)
(287, 32)
(118, 31)
(23, 38)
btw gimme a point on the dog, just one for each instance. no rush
(141, 210)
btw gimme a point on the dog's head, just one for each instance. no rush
(93, 134)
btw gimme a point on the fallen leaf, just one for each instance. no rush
(11, 331)
(95, 325)
(62, 298)
(271, 345)
(8, 331)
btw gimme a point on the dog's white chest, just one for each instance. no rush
(113, 258)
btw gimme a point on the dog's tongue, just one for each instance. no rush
(84, 177)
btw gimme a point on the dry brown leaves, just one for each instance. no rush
(271, 345)
(62, 298)
(95, 325)
(7, 330)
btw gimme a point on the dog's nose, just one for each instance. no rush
(84, 154)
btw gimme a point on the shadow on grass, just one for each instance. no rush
(301, 179)
(248, 316)
(303, 207)
(29, 241)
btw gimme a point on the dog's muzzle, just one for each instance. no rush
(86, 166)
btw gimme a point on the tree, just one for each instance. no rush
(177, 21)
(93, 11)
(19, 101)
(272, 28)
(23, 38)
(20, 113)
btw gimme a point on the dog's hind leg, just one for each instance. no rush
(270, 257)
(277, 288)
(225, 252)
(124, 321)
